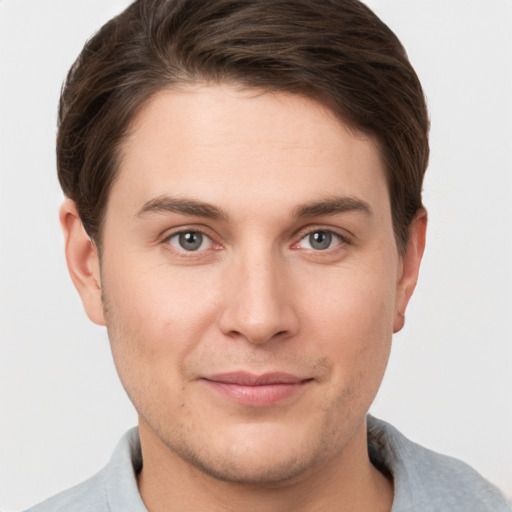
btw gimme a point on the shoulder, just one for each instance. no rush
(87, 496)
(113, 489)
(428, 481)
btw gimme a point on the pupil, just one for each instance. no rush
(191, 241)
(320, 240)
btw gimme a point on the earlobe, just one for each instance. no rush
(83, 262)
(410, 267)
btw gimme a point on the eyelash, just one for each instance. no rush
(182, 252)
(332, 236)
(343, 240)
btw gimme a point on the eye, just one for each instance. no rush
(190, 241)
(320, 240)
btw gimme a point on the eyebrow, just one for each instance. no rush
(184, 206)
(332, 206)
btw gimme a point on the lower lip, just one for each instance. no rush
(259, 395)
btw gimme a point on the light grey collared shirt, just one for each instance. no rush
(424, 481)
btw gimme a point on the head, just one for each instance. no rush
(244, 214)
(337, 53)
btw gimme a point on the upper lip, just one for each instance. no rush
(250, 379)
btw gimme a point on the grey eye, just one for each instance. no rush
(320, 240)
(190, 241)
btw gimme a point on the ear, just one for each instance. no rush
(83, 261)
(410, 267)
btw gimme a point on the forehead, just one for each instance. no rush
(225, 144)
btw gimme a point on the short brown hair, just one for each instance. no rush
(337, 52)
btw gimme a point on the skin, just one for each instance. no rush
(257, 296)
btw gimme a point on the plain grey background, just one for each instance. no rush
(449, 382)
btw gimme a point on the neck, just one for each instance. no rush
(349, 481)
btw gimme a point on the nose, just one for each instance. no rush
(258, 303)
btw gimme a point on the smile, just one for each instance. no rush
(256, 390)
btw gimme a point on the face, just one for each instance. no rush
(250, 280)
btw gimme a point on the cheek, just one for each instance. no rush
(352, 320)
(355, 299)
(155, 318)
(156, 296)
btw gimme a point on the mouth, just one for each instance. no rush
(256, 390)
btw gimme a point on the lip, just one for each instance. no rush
(256, 390)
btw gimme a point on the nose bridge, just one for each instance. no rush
(259, 303)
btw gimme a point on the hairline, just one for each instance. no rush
(187, 84)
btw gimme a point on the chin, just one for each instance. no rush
(257, 455)
(251, 469)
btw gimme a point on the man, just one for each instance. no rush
(244, 215)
